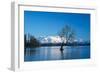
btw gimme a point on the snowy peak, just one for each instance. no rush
(55, 39)
(50, 39)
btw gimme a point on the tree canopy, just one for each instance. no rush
(67, 33)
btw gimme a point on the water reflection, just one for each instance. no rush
(62, 55)
(54, 53)
(29, 51)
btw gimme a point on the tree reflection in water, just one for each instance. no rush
(54, 53)
(62, 55)
(29, 51)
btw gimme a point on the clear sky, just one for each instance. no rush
(50, 23)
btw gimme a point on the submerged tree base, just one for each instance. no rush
(61, 49)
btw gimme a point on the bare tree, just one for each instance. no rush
(67, 35)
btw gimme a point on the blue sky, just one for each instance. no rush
(50, 23)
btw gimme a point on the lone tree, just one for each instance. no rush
(67, 34)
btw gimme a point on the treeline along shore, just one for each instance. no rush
(65, 44)
(28, 45)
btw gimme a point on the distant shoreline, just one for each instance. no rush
(59, 44)
(65, 44)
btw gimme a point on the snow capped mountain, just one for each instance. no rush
(55, 39)
(50, 39)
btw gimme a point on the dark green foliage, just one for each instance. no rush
(34, 42)
(30, 41)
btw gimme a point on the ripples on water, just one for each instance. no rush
(54, 53)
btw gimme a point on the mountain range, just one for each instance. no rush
(50, 39)
(54, 39)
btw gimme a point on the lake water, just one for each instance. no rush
(54, 53)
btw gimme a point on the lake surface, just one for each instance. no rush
(54, 53)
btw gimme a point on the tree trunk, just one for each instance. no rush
(61, 49)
